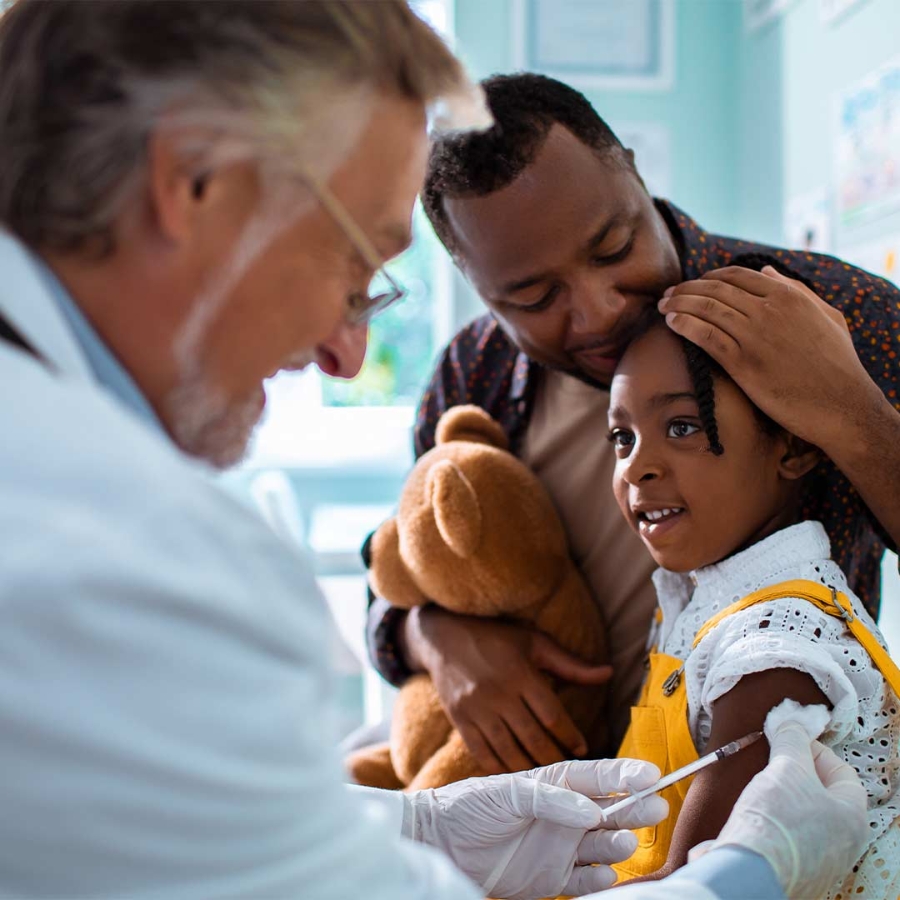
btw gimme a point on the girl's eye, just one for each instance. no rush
(620, 437)
(682, 429)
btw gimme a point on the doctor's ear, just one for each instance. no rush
(798, 459)
(174, 191)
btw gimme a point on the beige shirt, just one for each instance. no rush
(566, 446)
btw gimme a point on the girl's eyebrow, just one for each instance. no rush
(657, 401)
(660, 400)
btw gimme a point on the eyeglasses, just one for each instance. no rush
(362, 306)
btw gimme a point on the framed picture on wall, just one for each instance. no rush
(599, 44)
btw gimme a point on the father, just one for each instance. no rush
(548, 218)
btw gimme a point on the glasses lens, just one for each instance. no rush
(381, 294)
(380, 285)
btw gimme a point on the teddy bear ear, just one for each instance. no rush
(457, 512)
(470, 423)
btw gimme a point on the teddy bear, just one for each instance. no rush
(476, 533)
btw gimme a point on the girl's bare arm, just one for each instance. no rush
(715, 790)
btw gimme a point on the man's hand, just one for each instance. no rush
(536, 834)
(489, 677)
(784, 346)
(792, 354)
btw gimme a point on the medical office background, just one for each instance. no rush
(772, 120)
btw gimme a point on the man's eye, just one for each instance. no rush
(543, 303)
(683, 429)
(610, 258)
(620, 437)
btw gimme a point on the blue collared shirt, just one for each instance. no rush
(106, 368)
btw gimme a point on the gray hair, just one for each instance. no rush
(84, 83)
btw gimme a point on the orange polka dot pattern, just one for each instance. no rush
(482, 366)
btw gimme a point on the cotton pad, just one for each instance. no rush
(814, 719)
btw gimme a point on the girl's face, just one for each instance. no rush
(690, 507)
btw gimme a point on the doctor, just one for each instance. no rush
(196, 196)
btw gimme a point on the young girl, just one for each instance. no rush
(711, 486)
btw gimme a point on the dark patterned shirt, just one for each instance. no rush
(482, 366)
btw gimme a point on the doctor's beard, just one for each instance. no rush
(205, 424)
(204, 420)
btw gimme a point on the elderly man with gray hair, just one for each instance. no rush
(197, 195)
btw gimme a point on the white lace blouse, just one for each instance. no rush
(793, 634)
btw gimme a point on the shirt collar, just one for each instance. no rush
(698, 250)
(108, 371)
(785, 549)
(523, 369)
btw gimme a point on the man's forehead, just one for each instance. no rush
(566, 194)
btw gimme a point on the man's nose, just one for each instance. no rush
(597, 305)
(342, 354)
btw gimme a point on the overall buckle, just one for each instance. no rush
(670, 685)
(845, 614)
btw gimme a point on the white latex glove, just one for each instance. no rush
(530, 834)
(805, 813)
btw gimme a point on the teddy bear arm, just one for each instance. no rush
(452, 762)
(419, 726)
(572, 619)
(372, 767)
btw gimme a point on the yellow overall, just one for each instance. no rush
(659, 729)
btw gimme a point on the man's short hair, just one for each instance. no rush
(84, 84)
(525, 107)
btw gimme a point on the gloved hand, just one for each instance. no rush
(528, 834)
(805, 813)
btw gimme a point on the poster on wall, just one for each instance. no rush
(599, 44)
(867, 148)
(880, 257)
(807, 222)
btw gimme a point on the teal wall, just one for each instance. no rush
(756, 122)
(697, 111)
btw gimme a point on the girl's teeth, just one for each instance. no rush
(655, 515)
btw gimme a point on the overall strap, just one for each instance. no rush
(827, 599)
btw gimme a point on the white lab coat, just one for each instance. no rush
(165, 698)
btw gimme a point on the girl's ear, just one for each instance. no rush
(798, 458)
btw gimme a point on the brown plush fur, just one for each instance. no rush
(475, 533)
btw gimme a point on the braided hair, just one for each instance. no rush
(703, 369)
